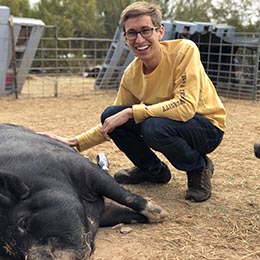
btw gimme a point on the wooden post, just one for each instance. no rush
(11, 21)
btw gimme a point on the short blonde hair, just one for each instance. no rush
(142, 8)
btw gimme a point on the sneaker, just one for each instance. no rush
(199, 183)
(136, 175)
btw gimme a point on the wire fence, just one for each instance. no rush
(232, 62)
(60, 66)
(73, 66)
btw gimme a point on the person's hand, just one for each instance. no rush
(116, 120)
(68, 141)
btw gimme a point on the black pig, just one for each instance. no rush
(52, 199)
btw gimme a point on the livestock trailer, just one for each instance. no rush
(19, 39)
(231, 59)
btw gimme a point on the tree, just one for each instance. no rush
(110, 12)
(192, 11)
(20, 8)
(243, 14)
(85, 18)
(99, 18)
(53, 12)
(73, 18)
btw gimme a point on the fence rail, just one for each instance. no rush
(232, 62)
(71, 66)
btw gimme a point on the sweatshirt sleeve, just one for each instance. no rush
(90, 138)
(183, 105)
(93, 136)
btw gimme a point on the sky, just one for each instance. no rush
(32, 2)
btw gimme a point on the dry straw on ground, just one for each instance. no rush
(225, 227)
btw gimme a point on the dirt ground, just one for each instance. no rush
(225, 227)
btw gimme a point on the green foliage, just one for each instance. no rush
(109, 12)
(192, 11)
(99, 18)
(74, 18)
(243, 14)
(20, 8)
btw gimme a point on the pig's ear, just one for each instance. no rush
(12, 189)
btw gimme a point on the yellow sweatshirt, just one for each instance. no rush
(177, 89)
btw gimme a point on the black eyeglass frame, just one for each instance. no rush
(150, 29)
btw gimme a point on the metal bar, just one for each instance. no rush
(11, 22)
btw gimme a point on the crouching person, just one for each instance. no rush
(165, 103)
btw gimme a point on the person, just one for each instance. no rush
(166, 103)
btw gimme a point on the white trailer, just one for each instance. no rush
(19, 40)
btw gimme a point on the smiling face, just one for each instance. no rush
(146, 48)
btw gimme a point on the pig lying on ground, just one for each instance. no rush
(52, 199)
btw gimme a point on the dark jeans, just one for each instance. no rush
(184, 144)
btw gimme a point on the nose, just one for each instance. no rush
(139, 37)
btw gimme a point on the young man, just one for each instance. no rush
(165, 103)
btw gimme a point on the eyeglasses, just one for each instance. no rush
(146, 32)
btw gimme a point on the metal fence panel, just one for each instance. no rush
(63, 66)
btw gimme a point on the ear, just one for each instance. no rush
(12, 189)
(161, 32)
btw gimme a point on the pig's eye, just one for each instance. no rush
(23, 225)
